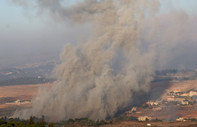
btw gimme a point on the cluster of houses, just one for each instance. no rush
(175, 97)
(182, 98)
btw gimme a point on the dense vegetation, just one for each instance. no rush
(32, 122)
(40, 122)
(84, 122)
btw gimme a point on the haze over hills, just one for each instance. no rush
(29, 74)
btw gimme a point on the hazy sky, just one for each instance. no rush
(26, 37)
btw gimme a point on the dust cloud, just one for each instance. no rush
(97, 78)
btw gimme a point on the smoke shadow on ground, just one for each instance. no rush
(158, 89)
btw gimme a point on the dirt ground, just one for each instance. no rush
(21, 91)
(16, 97)
(143, 124)
(10, 94)
(152, 124)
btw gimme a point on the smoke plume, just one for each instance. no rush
(97, 78)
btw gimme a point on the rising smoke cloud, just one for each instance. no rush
(97, 78)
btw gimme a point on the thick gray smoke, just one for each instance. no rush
(97, 78)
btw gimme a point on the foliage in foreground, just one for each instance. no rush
(40, 122)
(16, 122)
(84, 122)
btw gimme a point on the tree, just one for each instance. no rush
(51, 125)
(31, 120)
(42, 122)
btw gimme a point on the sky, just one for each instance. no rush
(188, 5)
(26, 38)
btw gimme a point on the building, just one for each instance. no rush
(134, 109)
(185, 95)
(144, 118)
(170, 98)
(192, 93)
(184, 102)
(180, 119)
(152, 103)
